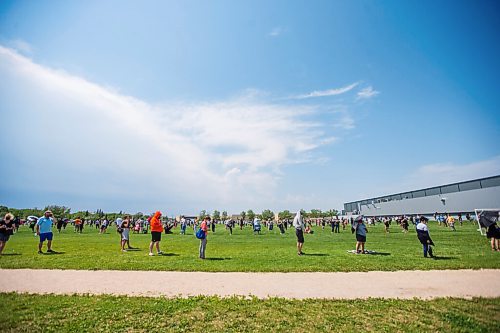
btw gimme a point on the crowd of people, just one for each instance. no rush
(156, 225)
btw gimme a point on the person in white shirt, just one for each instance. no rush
(298, 224)
(424, 237)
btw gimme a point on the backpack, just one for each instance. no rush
(200, 234)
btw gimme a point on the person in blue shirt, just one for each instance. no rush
(44, 231)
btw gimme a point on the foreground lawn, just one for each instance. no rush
(31, 313)
(268, 252)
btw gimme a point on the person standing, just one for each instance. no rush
(7, 227)
(212, 224)
(183, 225)
(450, 220)
(361, 230)
(78, 225)
(492, 233)
(229, 225)
(156, 230)
(203, 241)
(125, 234)
(424, 237)
(298, 224)
(44, 231)
(280, 226)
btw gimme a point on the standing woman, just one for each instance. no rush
(156, 230)
(424, 237)
(125, 239)
(6, 230)
(203, 241)
(299, 226)
(360, 228)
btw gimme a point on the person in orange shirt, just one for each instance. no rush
(78, 225)
(156, 230)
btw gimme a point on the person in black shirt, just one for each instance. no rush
(6, 230)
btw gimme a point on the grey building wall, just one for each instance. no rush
(456, 202)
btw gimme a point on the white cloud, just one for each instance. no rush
(329, 92)
(92, 141)
(277, 31)
(367, 93)
(443, 173)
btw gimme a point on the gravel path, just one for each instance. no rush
(400, 284)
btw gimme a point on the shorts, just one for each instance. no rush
(361, 239)
(125, 234)
(155, 236)
(45, 236)
(300, 235)
(4, 237)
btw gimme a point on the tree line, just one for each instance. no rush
(61, 212)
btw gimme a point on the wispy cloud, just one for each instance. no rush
(119, 146)
(328, 92)
(277, 31)
(367, 93)
(21, 46)
(442, 173)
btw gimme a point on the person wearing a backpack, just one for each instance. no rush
(203, 241)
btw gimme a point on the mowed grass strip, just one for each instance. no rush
(245, 252)
(50, 313)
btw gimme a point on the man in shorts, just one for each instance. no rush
(156, 230)
(44, 231)
(299, 226)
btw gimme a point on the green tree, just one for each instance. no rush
(315, 213)
(331, 213)
(267, 214)
(285, 215)
(250, 215)
(243, 215)
(224, 215)
(216, 215)
(58, 211)
(202, 215)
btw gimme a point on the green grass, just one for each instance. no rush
(50, 313)
(269, 252)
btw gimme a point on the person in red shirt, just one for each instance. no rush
(156, 230)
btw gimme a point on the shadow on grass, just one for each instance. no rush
(217, 259)
(169, 255)
(443, 258)
(10, 254)
(316, 254)
(379, 254)
(133, 250)
(53, 253)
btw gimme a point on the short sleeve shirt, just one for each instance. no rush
(45, 224)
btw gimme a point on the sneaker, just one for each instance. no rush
(160, 253)
(40, 252)
(50, 251)
(124, 250)
(151, 254)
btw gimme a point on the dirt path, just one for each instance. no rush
(401, 284)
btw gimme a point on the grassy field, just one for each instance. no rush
(268, 252)
(49, 313)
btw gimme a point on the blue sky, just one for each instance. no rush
(190, 105)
